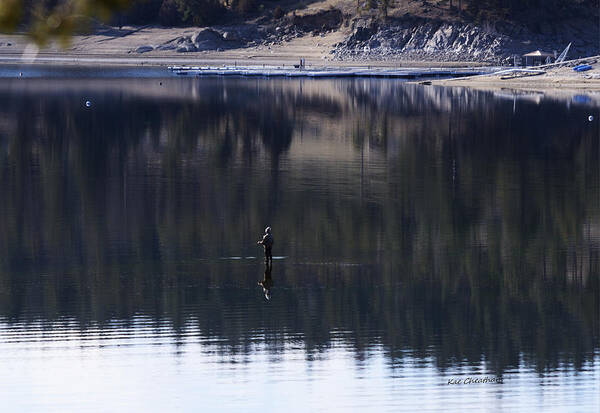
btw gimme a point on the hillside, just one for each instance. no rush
(481, 31)
(416, 30)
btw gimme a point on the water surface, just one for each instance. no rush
(423, 236)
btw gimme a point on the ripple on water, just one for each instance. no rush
(47, 356)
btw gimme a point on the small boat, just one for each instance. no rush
(582, 68)
(516, 73)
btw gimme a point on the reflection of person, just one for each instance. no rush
(267, 281)
(267, 242)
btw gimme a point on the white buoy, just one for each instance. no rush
(590, 118)
(88, 103)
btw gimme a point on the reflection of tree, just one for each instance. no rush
(491, 231)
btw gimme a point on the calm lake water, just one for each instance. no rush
(435, 249)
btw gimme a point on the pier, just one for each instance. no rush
(279, 71)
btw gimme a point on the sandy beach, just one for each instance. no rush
(562, 78)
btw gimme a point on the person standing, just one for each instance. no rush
(267, 242)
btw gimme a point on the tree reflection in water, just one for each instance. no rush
(441, 221)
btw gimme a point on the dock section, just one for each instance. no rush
(408, 73)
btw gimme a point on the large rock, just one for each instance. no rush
(186, 47)
(231, 36)
(441, 39)
(167, 46)
(207, 39)
(144, 49)
(361, 34)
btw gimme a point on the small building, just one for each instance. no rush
(538, 58)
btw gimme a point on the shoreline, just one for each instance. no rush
(118, 63)
(554, 79)
(53, 66)
(218, 59)
(316, 50)
(256, 49)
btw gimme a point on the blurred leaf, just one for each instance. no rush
(11, 12)
(59, 22)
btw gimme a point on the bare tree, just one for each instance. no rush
(384, 5)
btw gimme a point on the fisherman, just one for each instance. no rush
(267, 242)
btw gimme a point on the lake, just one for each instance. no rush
(435, 248)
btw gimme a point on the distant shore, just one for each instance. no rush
(116, 52)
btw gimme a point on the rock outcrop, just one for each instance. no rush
(422, 39)
(404, 38)
(438, 40)
(214, 38)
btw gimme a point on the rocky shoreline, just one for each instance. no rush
(407, 38)
(261, 33)
(413, 38)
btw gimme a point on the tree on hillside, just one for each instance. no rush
(384, 6)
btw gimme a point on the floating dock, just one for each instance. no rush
(328, 73)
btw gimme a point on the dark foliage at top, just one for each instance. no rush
(185, 12)
(47, 19)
